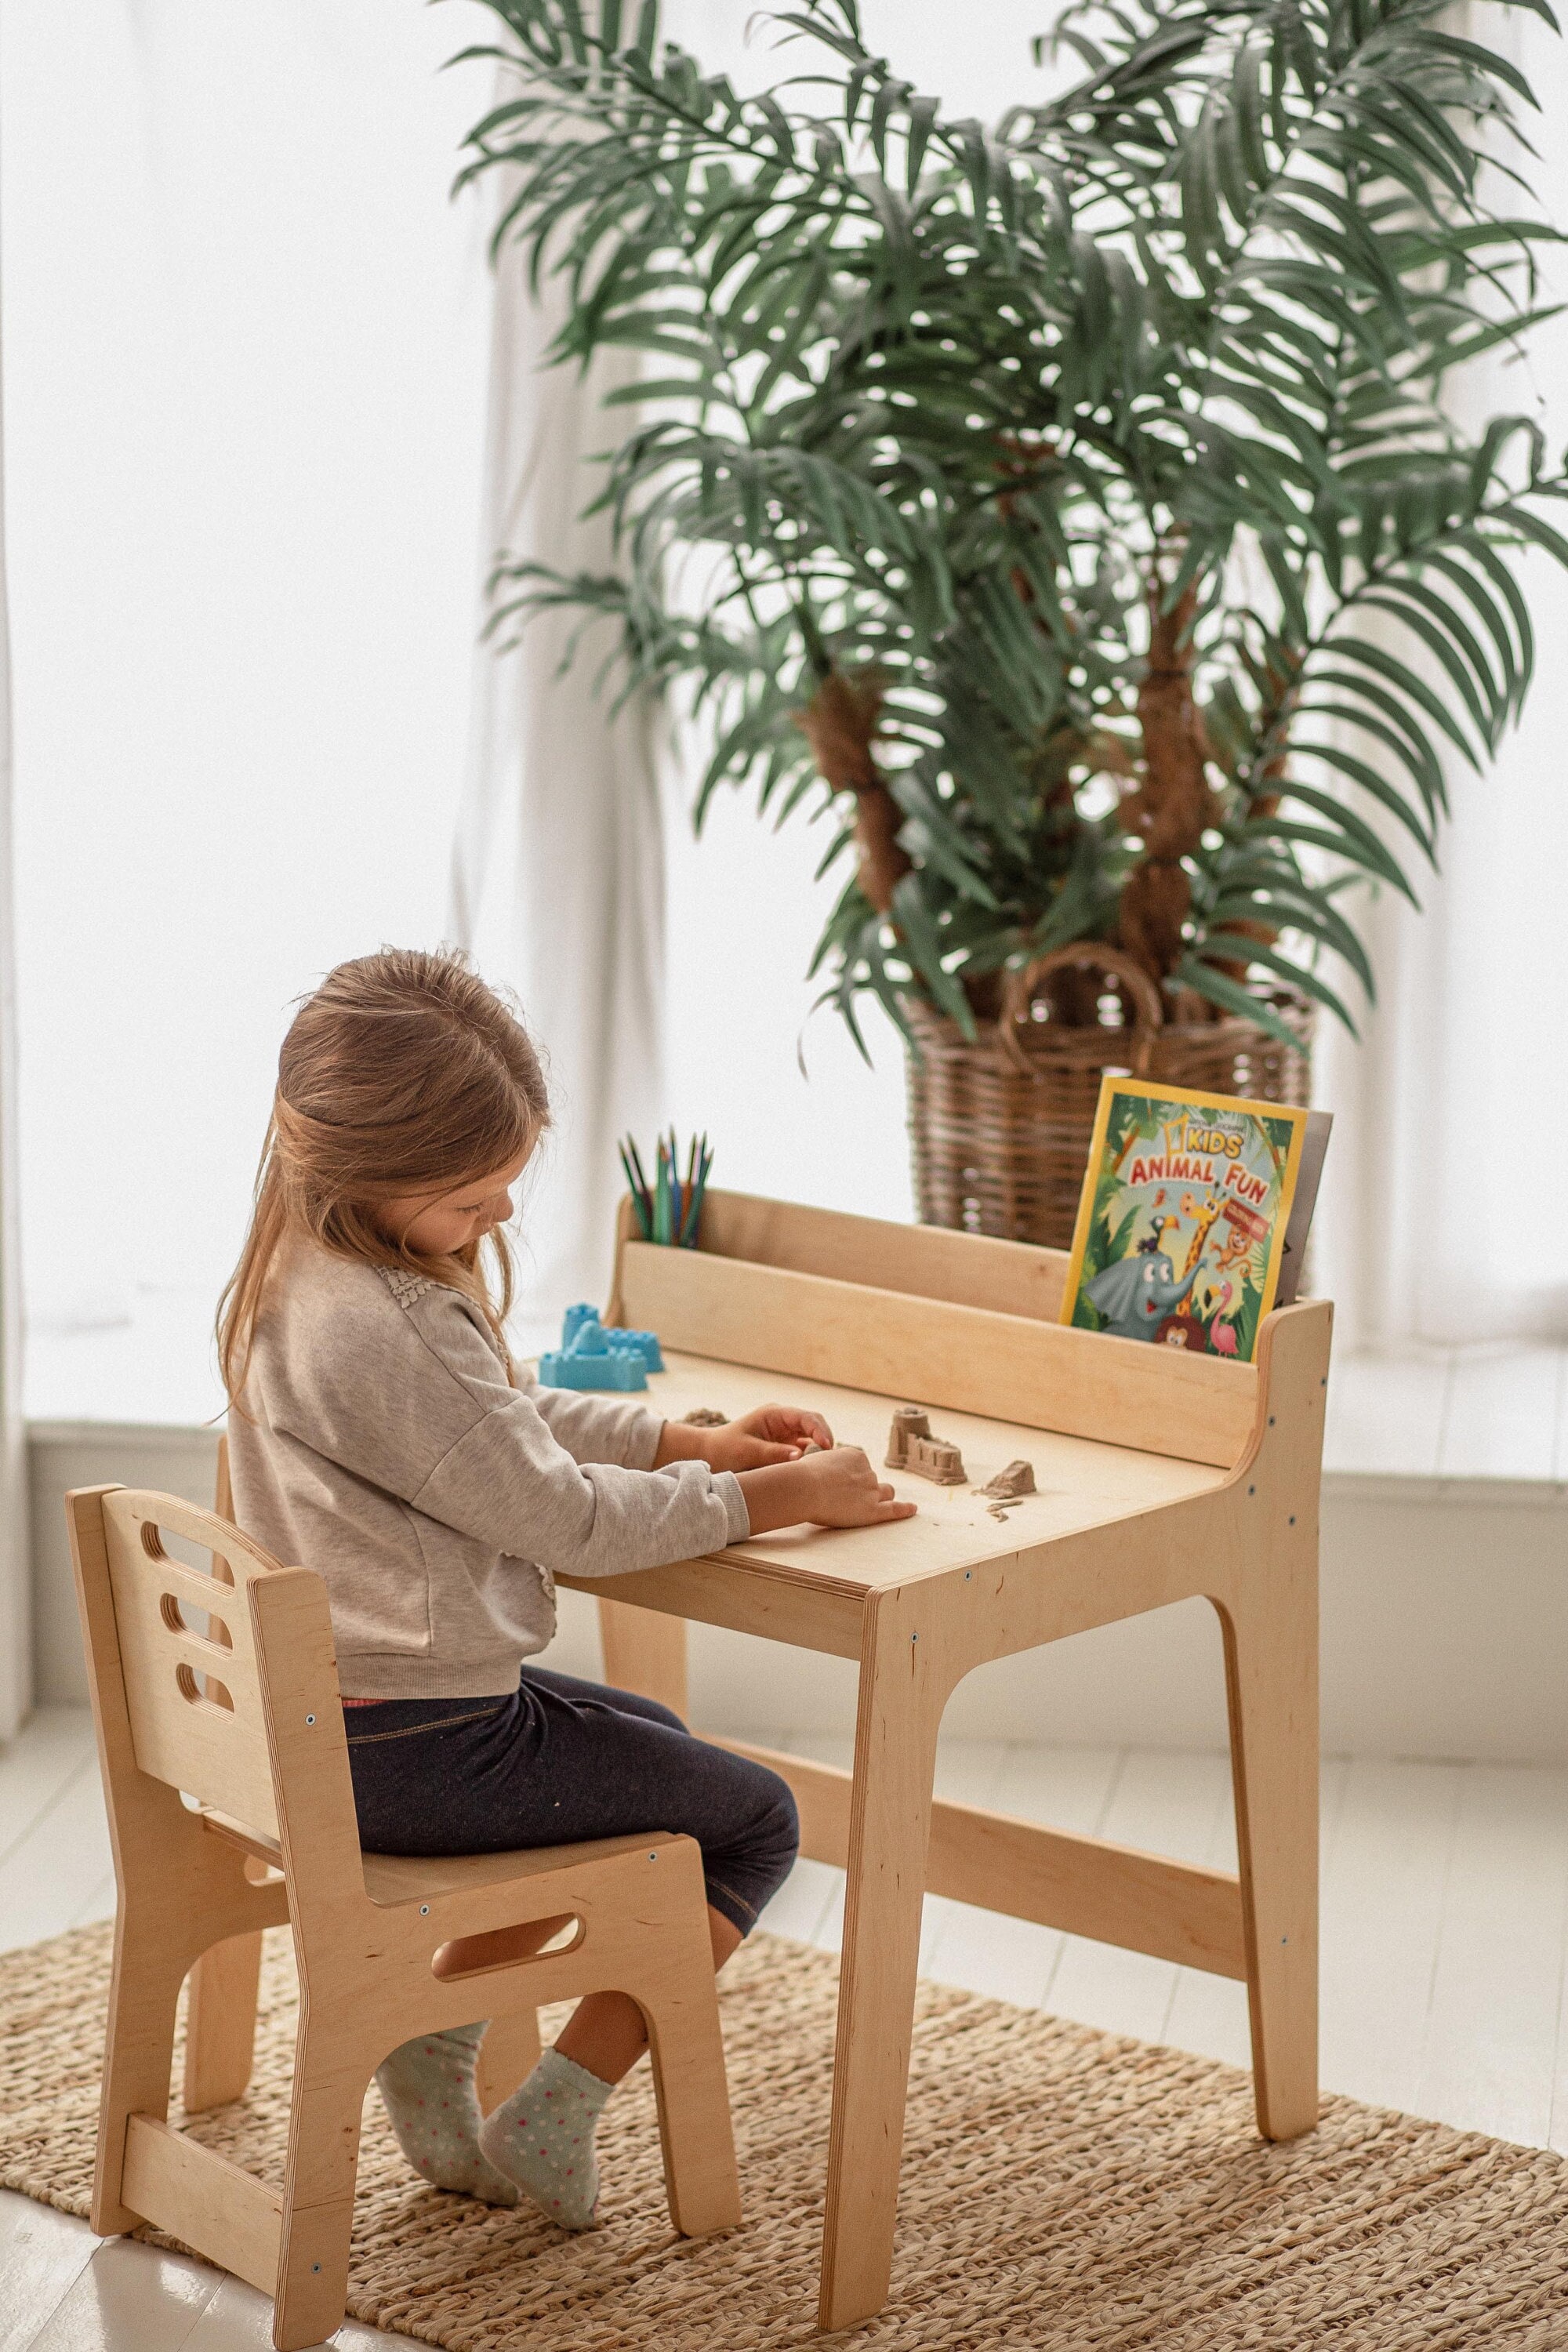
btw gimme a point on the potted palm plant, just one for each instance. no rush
(1072, 509)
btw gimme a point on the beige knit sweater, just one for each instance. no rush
(381, 1445)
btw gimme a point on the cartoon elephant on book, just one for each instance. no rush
(1135, 1295)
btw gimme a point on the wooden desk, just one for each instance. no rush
(1162, 1477)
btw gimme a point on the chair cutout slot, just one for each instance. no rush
(172, 1612)
(497, 1950)
(214, 1693)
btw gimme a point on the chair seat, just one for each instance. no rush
(394, 1878)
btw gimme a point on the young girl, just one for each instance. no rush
(382, 1435)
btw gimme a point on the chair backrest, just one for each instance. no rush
(187, 1660)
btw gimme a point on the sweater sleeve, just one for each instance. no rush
(507, 1479)
(596, 1428)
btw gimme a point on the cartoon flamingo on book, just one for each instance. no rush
(1222, 1335)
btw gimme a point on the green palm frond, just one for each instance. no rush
(938, 403)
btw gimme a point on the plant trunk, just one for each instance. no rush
(840, 722)
(1172, 802)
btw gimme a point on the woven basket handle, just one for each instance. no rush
(1022, 986)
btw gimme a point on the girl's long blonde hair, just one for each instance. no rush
(403, 1073)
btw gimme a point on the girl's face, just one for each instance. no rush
(438, 1224)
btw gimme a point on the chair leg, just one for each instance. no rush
(319, 2192)
(508, 2056)
(700, 2177)
(139, 2051)
(1271, 1676)
(220, 2024)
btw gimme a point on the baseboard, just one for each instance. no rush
(1445, 1624)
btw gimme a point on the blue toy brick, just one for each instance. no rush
(645, 1342)
(582, 1331)
(589, 1357)
(616, 1367)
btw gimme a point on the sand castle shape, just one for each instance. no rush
(912, 1446)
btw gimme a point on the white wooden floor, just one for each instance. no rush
(1445, 1941)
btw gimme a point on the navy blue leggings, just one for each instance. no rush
(560, 1761)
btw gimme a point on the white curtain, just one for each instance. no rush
(247, 336)
(557, 883)
(15, 1581)
(1437, 1226)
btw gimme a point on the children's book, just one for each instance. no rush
(1182, 1223)
(1293, 1258)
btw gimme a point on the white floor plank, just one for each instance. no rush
(1557, 2132)
(985, 1951)
(1502, 1416)
(58, 1867)
(1208, 2014)
(1167, 1804)
(49, 1750)
(42, 2255)
(1384, 1884)
(1491, 2031)
(967, 1772)
(130, 2298)
(238, 2319)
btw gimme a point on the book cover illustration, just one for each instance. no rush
(1181, 1225)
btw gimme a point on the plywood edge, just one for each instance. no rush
(816, 1613)
(1087, 1886)
(935, 1351)
(199, 2197)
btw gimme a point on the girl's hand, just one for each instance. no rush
(772, 1432)
(838, 1489)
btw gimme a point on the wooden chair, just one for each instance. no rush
(227, 1690)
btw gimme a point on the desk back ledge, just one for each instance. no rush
(866, 1304)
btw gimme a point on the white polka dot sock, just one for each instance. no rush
(543, 2138)
(427, 2088)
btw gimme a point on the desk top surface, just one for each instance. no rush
(1080, 1484)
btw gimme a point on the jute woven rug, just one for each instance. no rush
(1063, 2191)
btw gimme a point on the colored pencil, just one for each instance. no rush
(639, 1196)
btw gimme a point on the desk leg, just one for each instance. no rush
(645, 1651)
(890, 1825)
(1271, 1676)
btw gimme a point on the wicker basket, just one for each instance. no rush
(1001, 1128)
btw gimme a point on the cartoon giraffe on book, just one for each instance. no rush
(1205, 1213)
